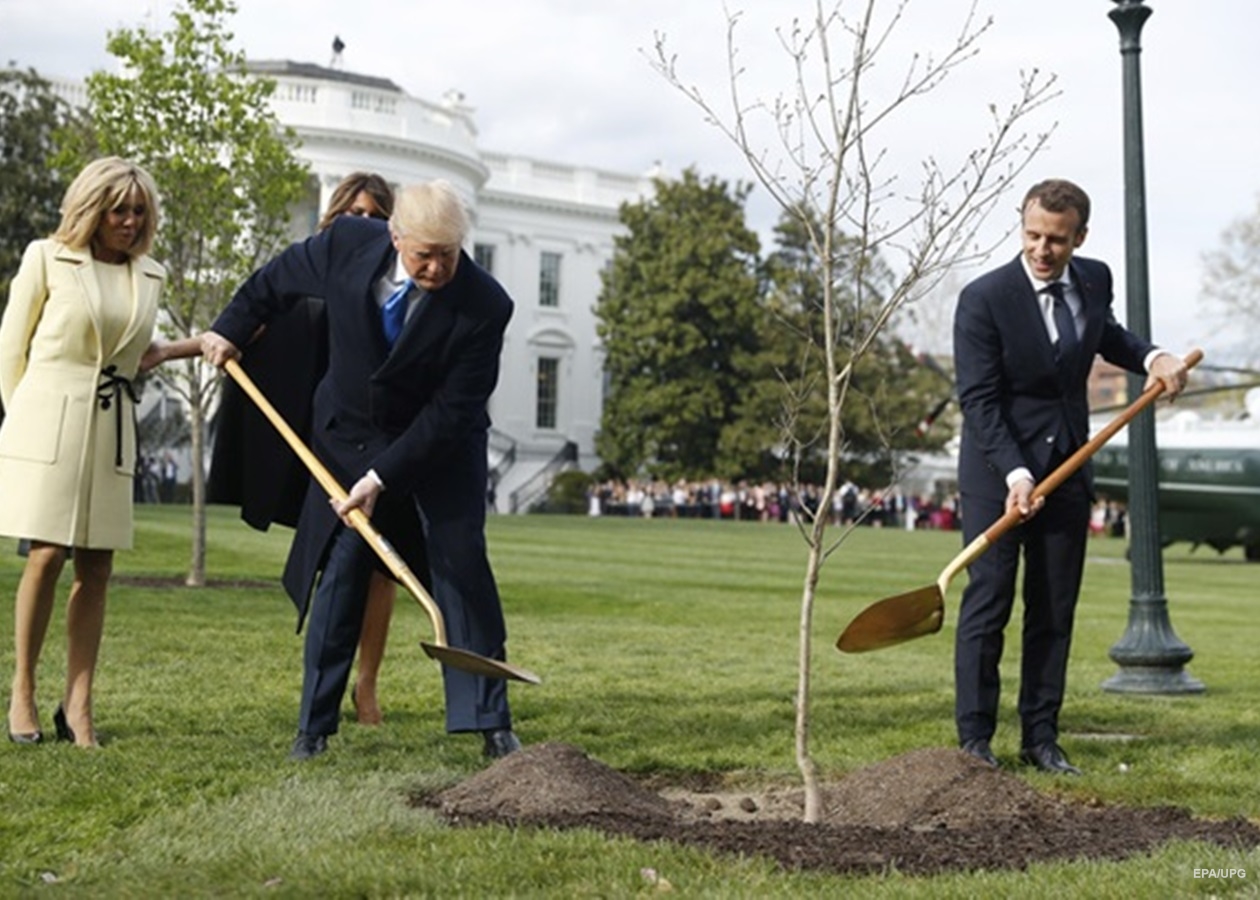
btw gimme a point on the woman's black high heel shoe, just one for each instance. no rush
(64, 732)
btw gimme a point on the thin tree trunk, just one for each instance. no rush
(197, 563)
(831, 173)
(805, 762)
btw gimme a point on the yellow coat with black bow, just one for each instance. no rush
(68, 454)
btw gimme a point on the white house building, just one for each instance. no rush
(544, 229)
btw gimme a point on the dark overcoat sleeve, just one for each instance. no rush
(299, 271)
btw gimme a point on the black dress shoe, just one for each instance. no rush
(500, 742)
(979, 748)
(1049, 757)
(32, 737)
(308, 746)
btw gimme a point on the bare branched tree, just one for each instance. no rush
(1231, 286)
(828, 162)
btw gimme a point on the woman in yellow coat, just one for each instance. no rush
(79, 321)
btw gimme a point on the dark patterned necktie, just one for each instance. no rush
(1064, 323)
(394, 312)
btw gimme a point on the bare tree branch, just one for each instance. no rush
(830, 166)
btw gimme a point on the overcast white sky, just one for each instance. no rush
(569, 80)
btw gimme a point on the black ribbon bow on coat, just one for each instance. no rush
(110, 391)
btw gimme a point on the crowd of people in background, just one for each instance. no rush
(774, 502)
(771, 502)
(156, 479)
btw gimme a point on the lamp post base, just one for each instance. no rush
(1151, 657)
(1153, 680)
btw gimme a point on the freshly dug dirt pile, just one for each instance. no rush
(922, 813)
(546, 780)
(933, 788)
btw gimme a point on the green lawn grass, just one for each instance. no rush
(666, 647)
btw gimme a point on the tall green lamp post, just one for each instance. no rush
(1151, 657)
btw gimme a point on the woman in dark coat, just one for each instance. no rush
(248, 450)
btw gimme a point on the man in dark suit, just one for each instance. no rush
(1025, 337)
(415, 330)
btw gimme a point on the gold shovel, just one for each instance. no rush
(904, 617)
(439, 649)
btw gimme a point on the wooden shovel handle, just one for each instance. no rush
(358, 519)
(1069, 466)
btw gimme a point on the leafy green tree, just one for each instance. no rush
(31, 116)
(185, 108)
(567, 493)
(678, 316)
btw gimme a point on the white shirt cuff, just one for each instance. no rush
(1020, 474)
(1150, 358)
(371, 473)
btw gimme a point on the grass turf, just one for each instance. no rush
(666, 647)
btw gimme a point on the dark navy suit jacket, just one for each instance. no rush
(416, 413)
(1018, 404)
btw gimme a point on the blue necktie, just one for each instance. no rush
(394, 312)
(1064, 323)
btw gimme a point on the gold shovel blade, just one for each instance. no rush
(477, 664)
(895, 620)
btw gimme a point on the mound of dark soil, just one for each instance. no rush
(933, 788)
(922, 813)
(545, 781)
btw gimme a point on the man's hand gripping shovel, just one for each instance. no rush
(439, 649)
(916, 613)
